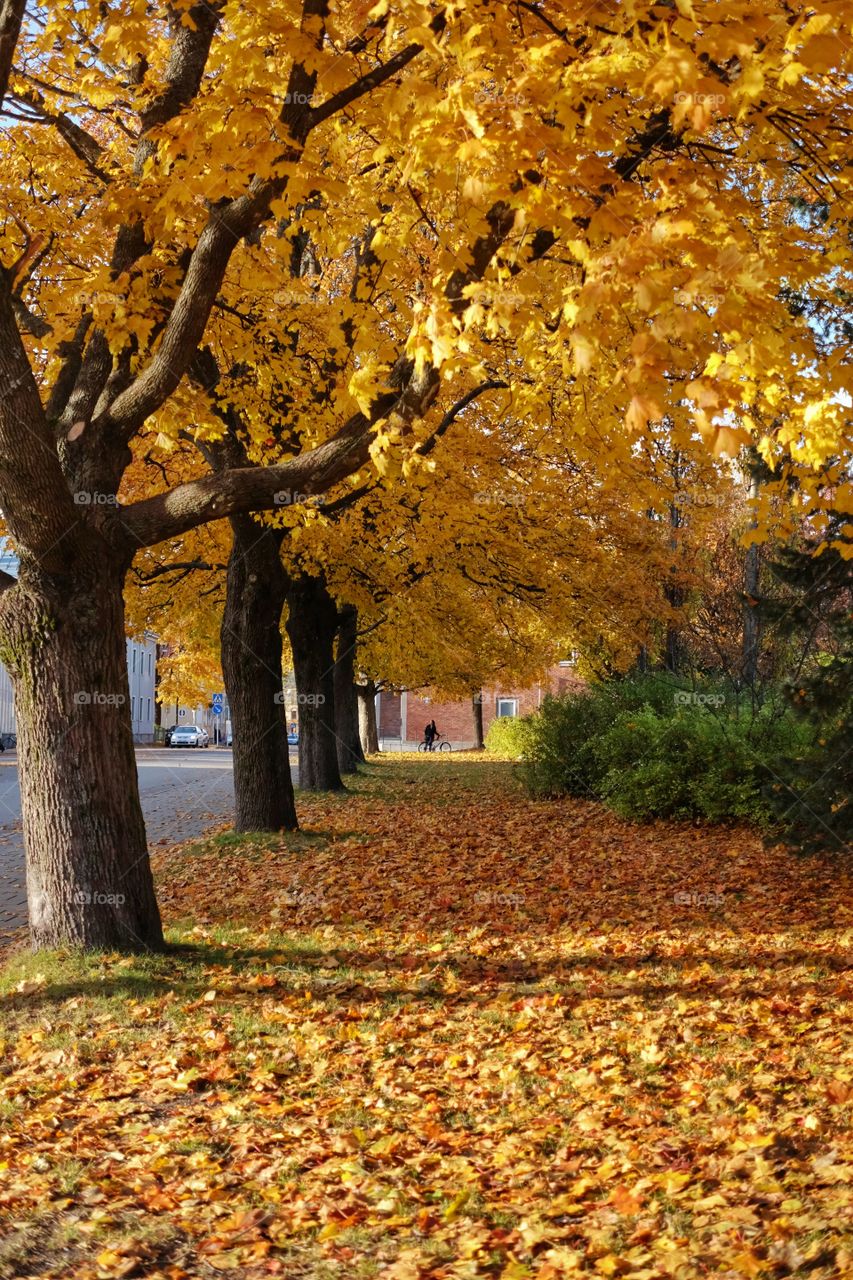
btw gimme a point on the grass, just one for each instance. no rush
(361, 1057)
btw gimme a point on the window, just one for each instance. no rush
(133, 659)
(147, 708)
(133, 708)
(507, 707)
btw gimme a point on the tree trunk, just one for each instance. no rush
(311, 627)
(672, 649)
(158, 706)
(89, 880)
(251, 665)
(673, 591)
(477, 708)
(350, 754)
(367, 727)
(751, 572)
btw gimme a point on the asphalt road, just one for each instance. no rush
(184, 793)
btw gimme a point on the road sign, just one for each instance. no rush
(218, 699)
(217, 708)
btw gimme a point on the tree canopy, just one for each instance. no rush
(610, 211)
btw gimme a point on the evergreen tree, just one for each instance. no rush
(811, 794)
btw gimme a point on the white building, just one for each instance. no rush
(141, 671)
(142, 674)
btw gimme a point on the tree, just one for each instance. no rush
(159, 176)
(312, 624)
(350, 751)
(368, 729)
(464, 580)
(812, 794)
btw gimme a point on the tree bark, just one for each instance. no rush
(311, 627)
(62, 640)
(251, 664)
(350, 754)
(367, 727)
(477, 708)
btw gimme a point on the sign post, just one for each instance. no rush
(217, 704)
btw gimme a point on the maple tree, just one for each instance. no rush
(453, 580)
(603, 209)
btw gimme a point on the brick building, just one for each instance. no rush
(401, 717)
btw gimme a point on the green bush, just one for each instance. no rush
(652, 748)
(508, 735)
(559, 755)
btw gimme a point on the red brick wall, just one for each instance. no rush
(390, 715)
(455, 720)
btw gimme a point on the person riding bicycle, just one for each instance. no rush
(430, 735)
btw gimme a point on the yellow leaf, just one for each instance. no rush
(456, 1205)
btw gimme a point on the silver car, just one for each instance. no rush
(190, 735)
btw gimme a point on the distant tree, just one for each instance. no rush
(812, 795)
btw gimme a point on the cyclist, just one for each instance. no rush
(430, 735)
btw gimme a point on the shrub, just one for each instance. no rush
(652, 748)
(558, 756)
(508, 735)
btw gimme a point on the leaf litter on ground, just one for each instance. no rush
(443, 1031)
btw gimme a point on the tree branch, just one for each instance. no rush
(144, 576)
(11, 17)
(427, 446)
(226, 228)
(372, 79)
(34, 497)
(243, 489)
(86, 148)
(183, 75)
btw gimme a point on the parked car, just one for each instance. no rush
(189, 735)
(292, 738)
(8, 741)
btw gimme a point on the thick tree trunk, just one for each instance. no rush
(367, 728)
(251, 665)
(89, 881)
(477, 708)
(312, 623)
(350, 754)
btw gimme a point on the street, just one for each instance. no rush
(184, 793)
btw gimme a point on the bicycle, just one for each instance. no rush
(436, 745)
